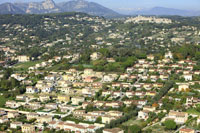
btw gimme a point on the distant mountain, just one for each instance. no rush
(8, 8)
(49, 6)
(87, 7)
(165, 11)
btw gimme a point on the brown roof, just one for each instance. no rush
(186, 130)
(113, 130)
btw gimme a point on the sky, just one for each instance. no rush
(136, 4)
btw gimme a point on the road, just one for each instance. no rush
(179, 129)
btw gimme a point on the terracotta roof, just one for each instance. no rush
(113, 130)
(186, 130)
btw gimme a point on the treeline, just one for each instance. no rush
(163, 91)
(10, 87)
(31, 20)
(118, 122)
(185, 51)
(124, 57)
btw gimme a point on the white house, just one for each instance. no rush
(109, 78)
(31, 90)
(47, 89)
(95, 56)
(3, 119)
(77, 100)
(50, 77)
(15, 124)
(183, 87)
(143, 114)
(187, 77)
(169, 55)
(179, 117)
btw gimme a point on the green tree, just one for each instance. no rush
(197, 56)
(98, 120)
(134, 129)
(170, 124)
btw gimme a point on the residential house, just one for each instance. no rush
(12, 114)
(14, 125)
(150, 57)
(106, 93)
(51, 106)
(90, 117)
(192, 101)
(44, 98)
(169, 55)
(150, 93)
(129, 94)
(109, 78)
(12, 104)
(113, 104)
(116, 94)
(95, 56)
(30, 116)
(149, 108)
(23, 58)
(4, 119)
(50, 78)
(186, 130)
(129, 103)
(69, 78)
(21, 97)
(183, 87)
(66, 108)
(144, 114)
(77, 100)
(66, 90)
(187, 77)
(113, 130)
(107, 119)
(45, 119)
(63, 98)
(34, 105)
(130, 70)
(53, 124)
(99, 104)
(115, 113)
(31, 90)
(79, 113)
(47, 89)
(2, 112)
(179, 117)
(27, 128)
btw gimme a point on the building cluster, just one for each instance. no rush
(140, 19)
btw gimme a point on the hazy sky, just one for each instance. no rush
(132, 4)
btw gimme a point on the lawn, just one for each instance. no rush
(193, 111)
(134, 122)
(158, 129)
(26, 65)
(57, 67)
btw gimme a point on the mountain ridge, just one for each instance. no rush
(159, 11)
(9, 8)
(92, 8)
(49, 6)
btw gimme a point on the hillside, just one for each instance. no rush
(60, 32)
